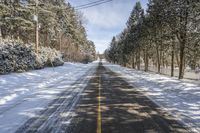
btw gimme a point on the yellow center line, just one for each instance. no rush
(99, 108)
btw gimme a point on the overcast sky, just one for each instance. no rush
(106, 20)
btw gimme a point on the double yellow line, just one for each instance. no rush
(99, 107)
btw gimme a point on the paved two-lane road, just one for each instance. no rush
(109, 105)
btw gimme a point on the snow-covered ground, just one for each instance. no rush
(180, 98)
(23, 95)
(189, 74)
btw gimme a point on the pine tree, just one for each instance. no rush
(167, 35)
(60, 26)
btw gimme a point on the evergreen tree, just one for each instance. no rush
(60, 26)
(167, 35)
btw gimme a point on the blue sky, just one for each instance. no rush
(106, 20)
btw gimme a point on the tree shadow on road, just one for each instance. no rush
(123, 109)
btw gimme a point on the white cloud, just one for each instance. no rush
(101, 45)
(109, 15)
(106, 20)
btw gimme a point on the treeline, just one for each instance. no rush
(59, 25)
(166, 35)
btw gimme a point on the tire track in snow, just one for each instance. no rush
(26, 97)
(59, 112)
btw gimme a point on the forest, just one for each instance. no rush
(39, 33)
(167, 34)
(60, 26)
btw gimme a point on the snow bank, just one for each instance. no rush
(181, 98)
(23, 95)
(188, 74)
(19, 57)
(16, 57)
(49, 57)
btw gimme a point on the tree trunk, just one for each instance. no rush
(2, 33)
(163, 59)
(124, 60)
(138, 59)
(1, 37)
(172, 59)
(158, 58)
(182, 54)
(146, 61)
(183, 37)
(133, 61)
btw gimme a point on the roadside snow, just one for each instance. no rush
(23, 95)
(180, 98)
(189, 74)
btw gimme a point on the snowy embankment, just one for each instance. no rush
(20, 57)
(23, 95)
(188, 74)
(180, 98)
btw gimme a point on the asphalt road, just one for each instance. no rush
(108, 104)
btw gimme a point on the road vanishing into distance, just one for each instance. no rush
(108, 104)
